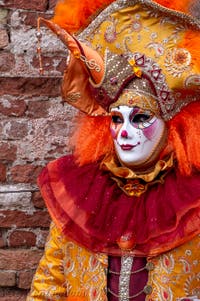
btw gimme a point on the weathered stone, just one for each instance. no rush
(25, 279)
(30, 86)
(22, 219)
(25, 173)
(19, 259)
(11, 197)
(20, 238)
(7, 151)
(9, 59)
(7, 278)
(3, 38)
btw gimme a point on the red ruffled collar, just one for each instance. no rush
(90, 208)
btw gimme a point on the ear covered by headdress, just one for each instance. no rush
(157, 43)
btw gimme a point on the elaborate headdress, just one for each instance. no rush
(132, 49)
(127, 40)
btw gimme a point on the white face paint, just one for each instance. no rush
(137, 135)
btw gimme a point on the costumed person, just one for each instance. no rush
(125, 206)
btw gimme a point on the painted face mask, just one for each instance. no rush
(138, 134)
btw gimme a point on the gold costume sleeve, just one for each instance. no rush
(49, 281)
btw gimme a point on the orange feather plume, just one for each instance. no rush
(92, 138)
(191, 42)
(178, 5)
(184, 137)
(72, 15)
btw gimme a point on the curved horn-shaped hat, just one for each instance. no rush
(138, 35)
(84, 64)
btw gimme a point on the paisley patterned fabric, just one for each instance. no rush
(69, 272)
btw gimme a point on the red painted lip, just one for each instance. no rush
(127, 146)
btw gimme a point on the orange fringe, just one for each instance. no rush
(92, 138)
(72, 15)
(191, 42)
(178, 5)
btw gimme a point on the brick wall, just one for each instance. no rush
(34, 129)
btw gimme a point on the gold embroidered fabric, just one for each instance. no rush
(132, 98)
(176, 273)
(69, 272)
(132, 183)
(110, 163)
(153, 35)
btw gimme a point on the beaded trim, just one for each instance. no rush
(149, 267)
(124, 278)
(115, 71)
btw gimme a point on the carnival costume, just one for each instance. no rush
(123, 230)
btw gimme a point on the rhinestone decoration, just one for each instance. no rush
(118, 67)
(124, 279)
(164, 64)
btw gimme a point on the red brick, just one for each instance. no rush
(13, 107)
(2, 172)
(19, 238)
(3, 242)
(7, 151)
(48, 62)
(9, 59)
(25, 279)
(19, 259)
(16, 129)
(61, 65)
(30, 86)
(37, 200)
(58, 151)
(56, 128)
(7, 278)
(12, 295)
(3, 38)
(38, 5)
(52, 3)
(38, 109)
(30, 18)
(22, 219)
(25, 173)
